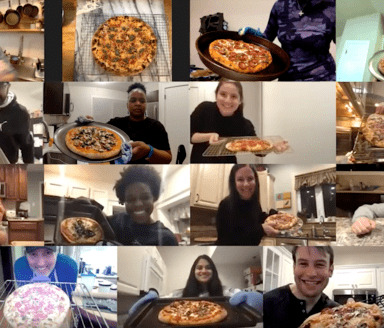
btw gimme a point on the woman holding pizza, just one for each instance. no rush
(222, 118)
(240, 219)
(138, 189)
(305, 29)
(150, 143)
(204, 281)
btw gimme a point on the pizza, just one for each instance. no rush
(381, 66)
(124, 45)
(81, 230)
(250, 145)
(373, 130)
(93, 142)
(282, 221)
(192, 313)
(350, 315)
(240, 56)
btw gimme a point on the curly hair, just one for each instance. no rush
(194, 288)
(138, 173)
(137, 86)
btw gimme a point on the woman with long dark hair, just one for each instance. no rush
(240, 219)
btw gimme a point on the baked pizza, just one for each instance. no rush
(282, 221)
(250, 145)
(240, 56)
(124, 45)
(93, 142)
(81, 230)
(350, 315)
(373, 130)
(381, 66)
(192, 313)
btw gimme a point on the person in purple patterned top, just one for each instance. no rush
(305, 29)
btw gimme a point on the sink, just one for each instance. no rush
(317, 230)
(26, 70)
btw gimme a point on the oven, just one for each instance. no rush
(367, 295)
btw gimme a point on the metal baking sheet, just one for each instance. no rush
(238, 316)
(219, 149)
(280, 59)
(374, 63)
(61, 132)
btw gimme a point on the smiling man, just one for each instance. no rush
(290, 305)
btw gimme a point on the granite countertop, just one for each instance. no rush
(89, 15)
(345, 236)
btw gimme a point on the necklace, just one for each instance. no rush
(301, 12)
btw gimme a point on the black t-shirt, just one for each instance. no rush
(283, 309)
(14, 132)
(129, 232)
(150, 131)
(207, 118)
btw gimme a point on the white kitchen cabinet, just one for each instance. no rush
(277, 267)
(100, 196)
(380, 281)
(53, 188)
(360, 277)
(78, 191)
(267, 193)
(208, 185)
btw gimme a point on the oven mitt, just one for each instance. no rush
(40, 279)
(250, 30)
(81, 120)
(253, 299)
(151, 295)
(126, 154)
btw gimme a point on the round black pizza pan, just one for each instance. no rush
(280, 59)
(61, 132)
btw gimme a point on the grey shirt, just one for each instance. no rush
(369, 211)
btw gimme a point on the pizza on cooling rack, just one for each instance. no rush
(350, 315)
(81, 230)
(192, 313)
(240, 56)
(250, 145)
(124, 45)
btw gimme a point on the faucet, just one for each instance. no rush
(321, 219)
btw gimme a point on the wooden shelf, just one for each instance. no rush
(22, 30)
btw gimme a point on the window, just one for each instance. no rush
(329, 198)
(308, 201)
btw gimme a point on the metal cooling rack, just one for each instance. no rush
(380, 302)
(80, 317)
(87, 69)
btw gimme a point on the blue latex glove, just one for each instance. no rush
(250, 30)
(40, 279)
(126, 154)
(253, 299)
(152, 295)
(82, 120)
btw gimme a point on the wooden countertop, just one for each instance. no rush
(69, 29)
(25, 220)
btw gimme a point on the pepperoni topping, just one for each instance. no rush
(242, 65)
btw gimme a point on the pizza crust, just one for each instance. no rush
(93, 142)
(81, 230)
(240, 56)
(373, 130)
(192, 313)
(350, 315)
(248, 145)
(124, 45)
(380, 66)
(282, 221)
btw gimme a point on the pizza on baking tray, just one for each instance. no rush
(81, 230)
(93, 142)
(240, 56)
(373, 130)
(350, 315)
(282, 221)
(124, 45)
(192, 313)
(251, 145)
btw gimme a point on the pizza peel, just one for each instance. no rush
(238, 316)
(59, 140)
(280, 59)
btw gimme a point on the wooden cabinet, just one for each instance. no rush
(25, 230)
(15, 178)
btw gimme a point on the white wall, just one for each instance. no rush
(33, 44)
(28, 94)
(305, 115)
(358, 255)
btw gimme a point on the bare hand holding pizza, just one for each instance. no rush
(363, 226)
(269, 230)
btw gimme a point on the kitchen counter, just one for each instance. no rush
(345, 236)
(75, 26)
(25, 220)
